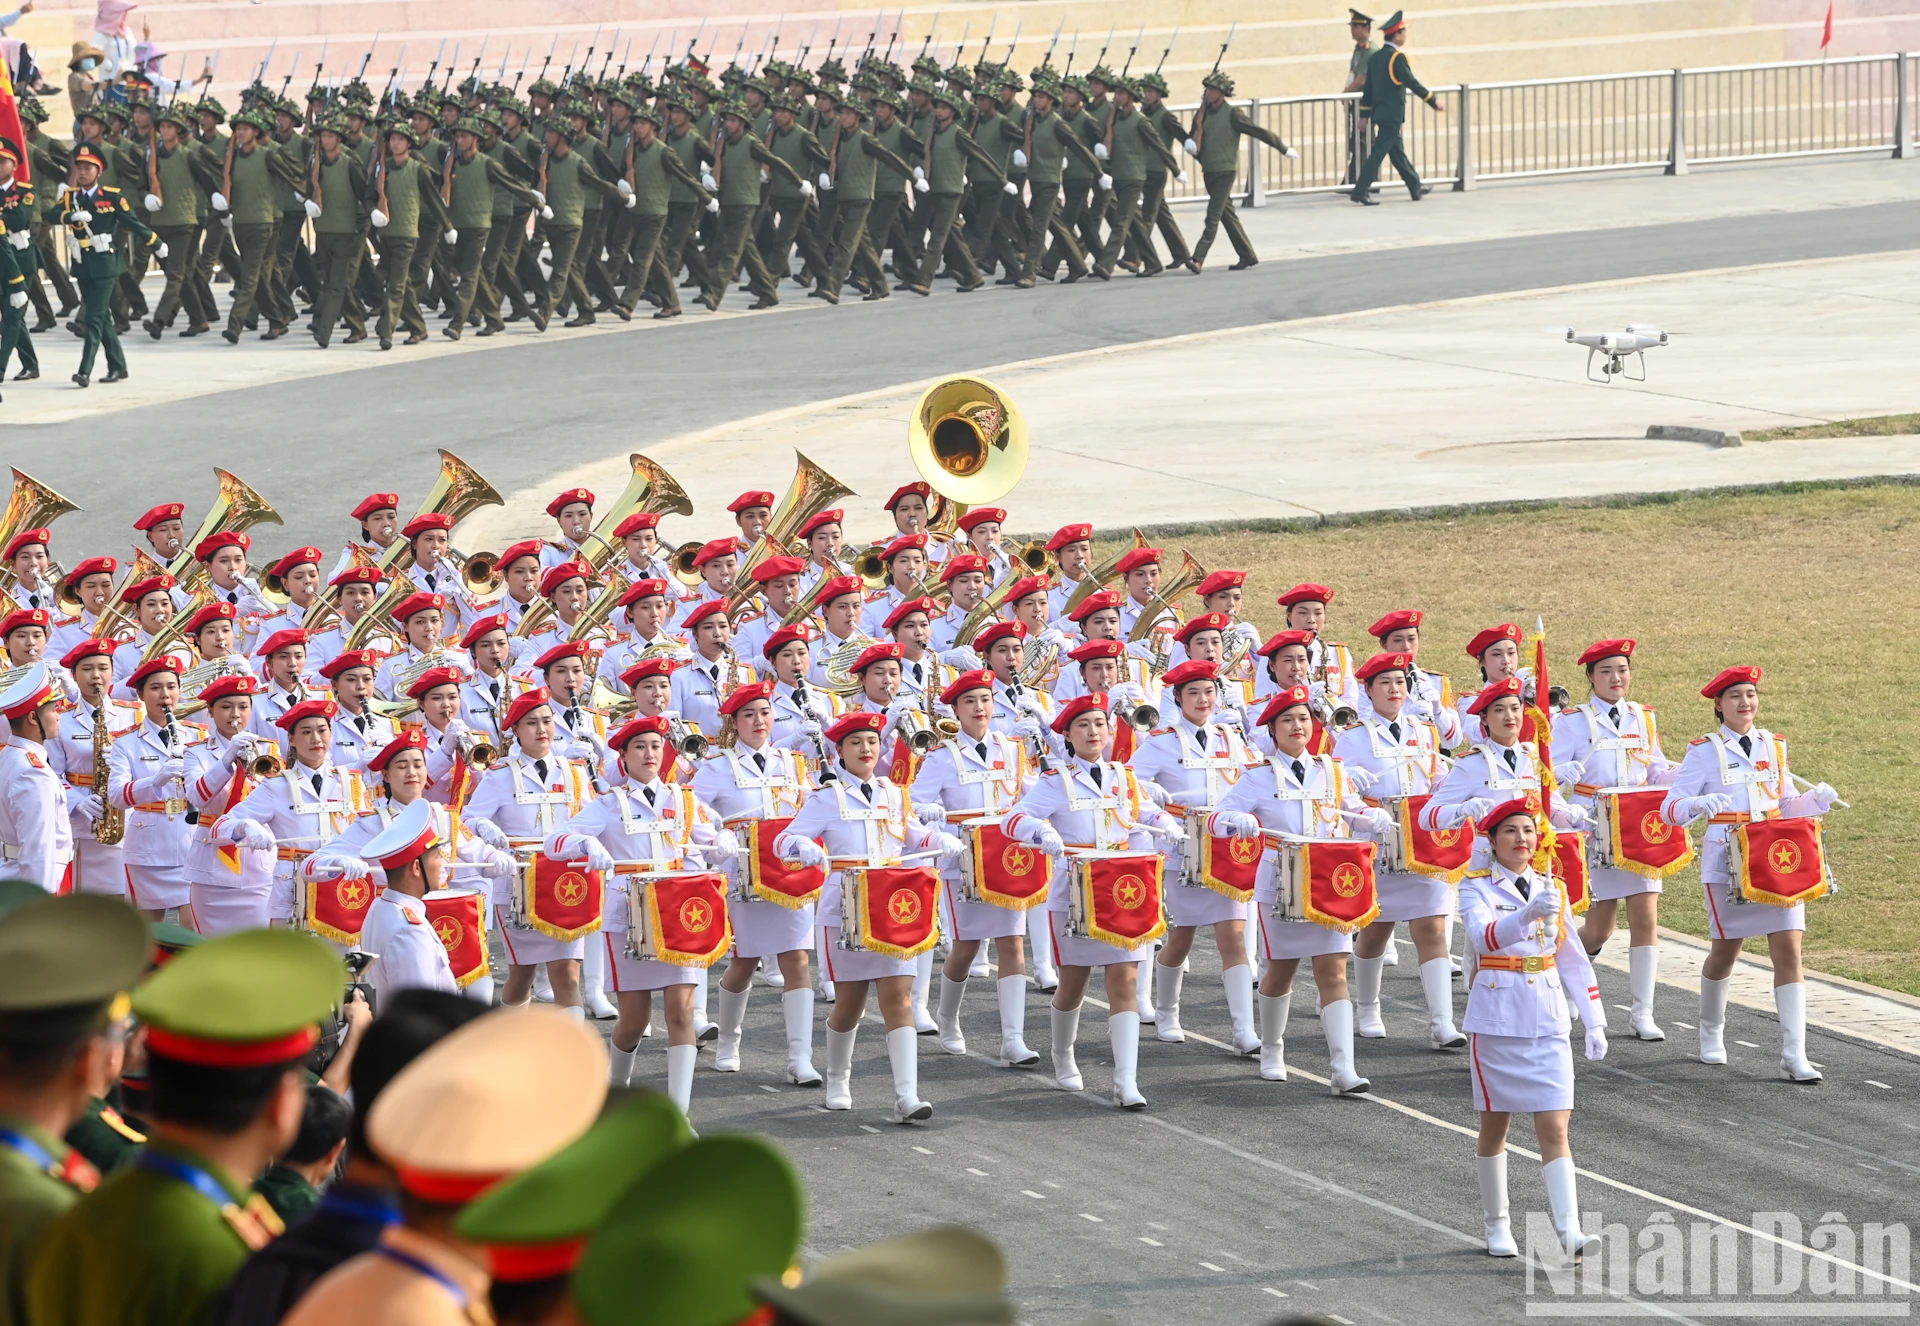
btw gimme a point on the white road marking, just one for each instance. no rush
(1624, 1008)
(977, 1173)
(1265, 1289)
(1304, 1285)
(1749, 1044)
(1152, 1225)
(923, 1151)
(1882, 1085)
(867, 1129)
(1211, 1267)
(765, 1087)
(1037, 1196)
(1802, 1145)
(1334, 1316)
(1864, 1165)
(1688, 1025)
(1050, 1183)
(1152, 1243)
(1094, 1218)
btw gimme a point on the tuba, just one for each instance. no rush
(31, 506)
(1160, 605)
(651, 490)
(968, 440)
(237, 509)
(812, 491)
(458, 492)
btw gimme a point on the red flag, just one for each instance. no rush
(459, 921)
(1782, 862)
(687, 917)
(1826, 37)
(1008, 874)
(774, 880)
(15, 132)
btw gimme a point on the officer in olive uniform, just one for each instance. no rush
(1383, 103)
(19, 272)
(1218, 127)
(49, 161)
(65, 966)
(92, 213)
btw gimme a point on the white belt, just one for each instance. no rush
(20, 239)
(100, 243)
(11, 852)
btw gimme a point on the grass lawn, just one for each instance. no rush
(1816, 587)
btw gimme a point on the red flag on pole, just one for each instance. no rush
(10, 126)
(1826, 38)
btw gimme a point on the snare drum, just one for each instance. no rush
(677, 917)
(1325, 881)
(889, 910)
(1116, 898)
(997, 871)
(1778, 863)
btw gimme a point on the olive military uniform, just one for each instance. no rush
(1384, 103)
(93, 217)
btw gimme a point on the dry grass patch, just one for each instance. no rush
(1884, 425)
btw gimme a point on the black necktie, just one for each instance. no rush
(540, 768)
(1513, 761)
(1613, 715)
(317, 780)
(429, 580)
(33, 600)
(981, 746)
(916, 674)
(233, 596)
(573, 717)
(360, 721)
(1299, 773)
(1393, 730)
(1746, 745)
(1520, 882)
(1093, 772)
(647, 792)
(760, 760)
(866, 790)
(494, 686)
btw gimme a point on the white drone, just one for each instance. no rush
(1636, 340)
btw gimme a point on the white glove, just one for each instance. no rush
(1011, 188)
(152, 201)
(82, 218)
(806, 852)
(1128, 693)
(1173, 833)
(578, 750)
(251, 833)
(1362, 779)
(487, 832)
(810, 726)
(1570, 771)
(1712, 803)
(62, 191)
(951, 849)
(1193, 148)
(598, 857)
(626, 189)
(1596, 1043)
(1019, 159)
(919, 172)
(1159, 794)
(169, 769)
(1823, 796)
(1377, 821)
(1049, 842)
(352, 867)
(766, 174)
(226, 219)
(706, 180)
(546, 213)
(219, 199)
(17, 299)
(1476, 808)
(826, 180)
(1106, 183)
(920, 185)
(313, 209)
(930, 812)
(806, 188)
(160, 251)
(633, 201)
(1100, 150)
(713, 205)
(1542, 903)
(85, 801)
(1179, 177)
(456, 728)
(451, 237)
(379, 219)
(1028, 728)
(539, 199)
(245, 746)
(1578, 817)
(500, 865)
(1237, 824)
(1292, 154)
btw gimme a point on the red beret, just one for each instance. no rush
(745, 694)
(369, 504)
(484, 627)
(413, 738)
(87, 649)
(848, 724)
(513, 552)
(316, 708)
(426, 520)
(295, 558)
(165, 511)
(556, 576)
(1498, 690)
(1098, 649)
(1193, 669)
(715, 548)
(1281, 701)
(980, 515)
(977, 680)
(1400, 619)
(1380, 663)
(748, 500)
(414, 604)
(229, 685)
(1279, 640)
(960, 564)
(1025, 587)
(1219, 580)
(566, 649)
(1069, 534)
(91, 566)
(636, 522)
(204, 551)
(886, 649)
(834, 516)
(783, 637)
(1505, 811)
(567, 499)
(1305, 593)
(657, 666)
(1097, 601)
(652, 587)
(357, 575)
(699, 612)
(348, 659)
(918, 486)
(638, 726)
(837, 587)
(1078, 705)
(217, 611)
(903, 543)
(994, 632)
(525, 703)
(905, 608)
(1600, 649)
(159, 584)
(1730, 677)
(174, 663)
(1492, 636)
(430, 679)
(774, 567)
(1136, 559)
(26, 538)
(22, 617)
(1203, 621)
(280, 640)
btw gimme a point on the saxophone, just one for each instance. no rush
(111, 827)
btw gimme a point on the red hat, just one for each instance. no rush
(410, 835)
(26, 538)
(430, 679)
(907, 607)
(280, 640)
(174, 663)
(566, 649)
(1505, 811)
(87, 649)
(1400, 619)
(1193, 669)
(1600, 649)
(1136, 559)
(165, 511)
(886, 649)
(775, 567)
(1730, 677)
(1219, 580)
(426, 520)
(636, 522)
(783, 637)
(513, 552)
(1380, 663)
(1281, 701)
(1279, 640)
(1097, 601)
(567, 499)
(316, 708)
(903, 543)
(91, 566)
(414, 604)
(484, 627)
(43, 693)
(1025, 587)
(699, 612)
(204, 550)
(980, 515)
(217, 611)
(1492, 636)
(1203, 621)
(960, 564)
(994, 632)
(348, 659)
(295, 558)
(977, 680)
(747, 500)
(1498, 690)
(413, 738)
(638, 726)
(834, 516)
(369, 504)
(837, 587)
(556, 576)
(230, 684)
(652, 587)
(40, 617)
(1306, 593)
(715, 548)
(919, 486)
(848, 724)
(745, 694)
(159, 584)
(657, 666)
(1098, 649)
(357, 575)
(1069, 534)
(523, 704)
(1072, 709)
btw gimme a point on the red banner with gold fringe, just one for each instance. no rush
(688, 915)
(562, 899)
(1340, 893)
(773, 880)
(1007, 873)
(459, 921)
(1438, 853)
(1567, 863)
(1229, 866)
(895, 909)
(1782, 862)
(1643, 841)
(1123, 893)
(337, 908)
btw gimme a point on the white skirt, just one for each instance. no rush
(1072, 951)
(981, 920)
(858, 964)
(1410, 897)
(156, 888)
(1198, 905)
(1610, 884)
(629, 975)
(220, 910)
(763, 929)
(98, 867)
(1520, 1074)
(1747, 920)
(529, 948)
(1283, 940)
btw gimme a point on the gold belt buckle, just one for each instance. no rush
(175, 806)
(1533, 962)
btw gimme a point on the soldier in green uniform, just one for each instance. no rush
(428, 278)
(1099, 87)
(787, 199)
(1218, 127)
(400, 192)
(126, 171)
(566, 179)
(518, 269)
(229, 1026)
(852, 168)
(92, 212)
(1131, 143)
(1051, 147)
(336, 201)
(47, 160)
(18, 269)
(596, 219)
(1155, 214)
(654, 170)
(683, 209)
(66, 964)
(247, 199)
(471, 183)
(180, 171)
(216, 238)
(288, 256)
(943, 166)
(1077, 179)
(886, 228)
(1383, 104)
(737, 172)
(1360, 28)
(990, 187)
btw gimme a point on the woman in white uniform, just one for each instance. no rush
(219, 777)
(1522, 929)
(1091, 804)
(1732, 776)
(1609, 742)
(863, 818)
(669, 828)
(1499, 768)
(1303, 796)
(747, 783)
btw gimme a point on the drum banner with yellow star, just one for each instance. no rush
(1340, 892)
(688, 916)
(1435, 853)
(1123, 899)
(1643, 841)
(1563, 854)
(561, 899)
(1007, 873)
(459, 921)
(1782, 862)
(1229, 866)
(336, 909)
(779, 882)
(893, 909)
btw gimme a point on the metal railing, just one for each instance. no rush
(1664, 119)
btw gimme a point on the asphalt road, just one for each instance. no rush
(543, 405)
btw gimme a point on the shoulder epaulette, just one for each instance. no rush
(1699, 741)
(109, 188)
(1646, 708)
(1159, 731)
(1570, 709)
(1478, 874)
(1350, 727)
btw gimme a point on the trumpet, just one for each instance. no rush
(267, 764)
(686, 739)
(922, 733)
(1142, 716)
(1332, 715)
(476, 750)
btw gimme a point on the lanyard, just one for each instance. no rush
(368, 1212)
(32, 1150)
(191, 1175)
(433, 1273)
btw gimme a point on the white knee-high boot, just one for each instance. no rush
(1273, 1035)
(1238, 981)
(1040, 951)
(770, 973)
(1366, 995)
(733, 1015)
(1012, 992)
(1336, 1019)
(680, 1063)
(923, 1023)
(1391, 957)
(1436, 982)
(1166, 999)
(1066, 1069)
(952, 1040)
(1563, 1199)
(820, 964)
(840, 1068)
(1643, 974)
(703, 1029)
(1123, 1032)
(620, 1065)
(796, 1010)
(542, 985)
(481, 991)
(903, 1054)
(1713, 1019)
(1493, 1203)
(593, 981)
(1790, 1002)
(1143, 996)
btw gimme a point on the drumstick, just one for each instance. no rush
(1805, 786)
(861, 863)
